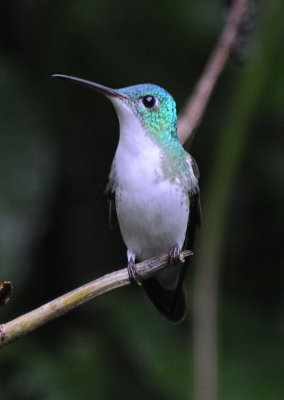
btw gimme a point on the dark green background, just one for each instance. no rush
(57, 141)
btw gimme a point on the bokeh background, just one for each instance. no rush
(57, 141)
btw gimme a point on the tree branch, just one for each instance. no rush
(194, 107)
(26, 323)
(206, 289)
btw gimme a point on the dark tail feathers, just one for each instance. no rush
(170, 303)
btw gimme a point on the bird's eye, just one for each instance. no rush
(150, 102)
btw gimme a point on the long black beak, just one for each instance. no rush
(92, 85)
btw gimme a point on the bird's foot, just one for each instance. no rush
(132, 270)
(174, 257)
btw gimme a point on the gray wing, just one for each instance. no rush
(110, 192)
(195, 212)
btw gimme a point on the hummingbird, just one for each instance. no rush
(153, 189)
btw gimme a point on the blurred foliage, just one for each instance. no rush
(57, 142)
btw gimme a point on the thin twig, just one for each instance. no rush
(194, 107)
(26, 323)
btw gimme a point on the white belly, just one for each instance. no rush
(153, 219)
(152, 212)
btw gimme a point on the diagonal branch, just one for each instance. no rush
(26, 323)
(194, 108)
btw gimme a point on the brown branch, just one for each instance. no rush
(194, 108)
(26, 323)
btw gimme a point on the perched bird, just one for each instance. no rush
(153, 188)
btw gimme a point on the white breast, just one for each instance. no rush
(152, 212)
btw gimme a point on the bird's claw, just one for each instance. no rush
(133, 273)
(174, 257)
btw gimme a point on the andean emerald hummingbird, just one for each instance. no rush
(153, 188)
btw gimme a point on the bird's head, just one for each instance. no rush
(152, 105)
